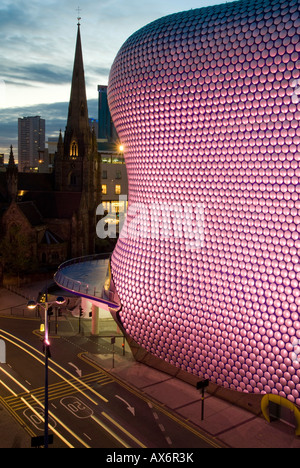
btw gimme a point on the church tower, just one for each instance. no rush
(12, 176)
(77, 165)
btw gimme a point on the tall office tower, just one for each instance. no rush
(107, 135)
(31, 132)
(114, 181)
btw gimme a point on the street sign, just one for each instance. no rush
(2, 352)
(202, 384)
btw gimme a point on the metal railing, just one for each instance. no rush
(19, 311)
(88, 258)
(81, 287)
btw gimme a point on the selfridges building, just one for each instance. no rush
(207, 105)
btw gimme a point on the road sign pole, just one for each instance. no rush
(46, 344)
(202, 410)
(113, 340)
(201, 386)
(46, 348)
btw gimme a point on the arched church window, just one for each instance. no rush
(74, 149)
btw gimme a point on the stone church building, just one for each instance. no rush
(54, 215)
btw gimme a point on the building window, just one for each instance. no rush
(118, 190)
(73, 179)
(104, 174)
(106, 206)
(106, 158)
(74, 149)
(118, 175)
(104, 189)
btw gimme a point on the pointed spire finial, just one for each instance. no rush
(11, 157)
(78, 17)
(11, 161)
(77, 123)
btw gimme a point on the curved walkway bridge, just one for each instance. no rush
(90, 277)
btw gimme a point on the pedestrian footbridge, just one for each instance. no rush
(90, 278)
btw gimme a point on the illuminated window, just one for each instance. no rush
(74, 149)
(104, 189)
(106, 206)
(106, 158)
(118, 190)
(115, 207)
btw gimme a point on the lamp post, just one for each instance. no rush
(46, 349)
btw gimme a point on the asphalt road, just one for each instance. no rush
(88, 407)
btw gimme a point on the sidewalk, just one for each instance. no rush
(16, 300)
(233, 426)
(229, 424)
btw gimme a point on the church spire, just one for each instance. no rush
(78, 124)
(78, 17)
(11, 162)
(12, 176)
(77, 166)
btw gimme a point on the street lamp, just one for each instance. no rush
(46, 348)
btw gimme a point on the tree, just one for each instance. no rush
(16, 252)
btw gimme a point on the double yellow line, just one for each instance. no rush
(57, 390)
(77, 384)
(27, 404)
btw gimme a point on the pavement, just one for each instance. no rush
(232, 424)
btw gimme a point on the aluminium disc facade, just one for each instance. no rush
(207, 105)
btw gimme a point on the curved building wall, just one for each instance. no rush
(206, 105)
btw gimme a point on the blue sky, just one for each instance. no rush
(37, 45)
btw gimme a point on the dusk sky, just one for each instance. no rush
(37, 45)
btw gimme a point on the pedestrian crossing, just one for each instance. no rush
(58, 390)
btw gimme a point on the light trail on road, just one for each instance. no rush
(5, 335)
(19, 400)
(115, 427)
(30, 406)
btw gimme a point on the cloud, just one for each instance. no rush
(35, 73)
(9, 136)
(37, 45)
(13, 13)
(55, 115)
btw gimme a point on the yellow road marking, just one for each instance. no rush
(123, 430)
(113, 434)
(56, 372)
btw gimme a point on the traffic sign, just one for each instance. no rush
(202, 384)
(2, 352)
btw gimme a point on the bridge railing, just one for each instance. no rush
(84, 288)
